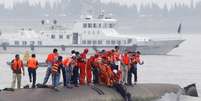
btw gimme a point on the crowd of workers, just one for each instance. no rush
(105, 67)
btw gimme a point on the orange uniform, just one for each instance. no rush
(82, 65)
(90, 62)
(66, 62)
(52, 57)
(32, 63)
(17, 65)
(105, 74)
(125, 59)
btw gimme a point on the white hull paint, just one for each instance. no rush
(146, 48)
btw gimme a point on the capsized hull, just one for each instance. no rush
(140, 92)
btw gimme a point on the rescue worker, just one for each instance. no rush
(95, 69)
(32, 65)
(82, 65)
(51, 58)
(18, 69)
(135, 60)
(75, 75)
(116, 59)
(125, 61)
(69, 64)
(111, 78)
(55, 69)
(63, 69)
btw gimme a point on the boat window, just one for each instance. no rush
(118, 42)
(108, 42)
(88, 41)
(67, 36)
(89, 25)
(100, 42)
(111, 25)
(94, 25)
(60, 36)
(17, 43)
(84, 25)
(99, 25)
(39, 43)
(83, 41)
(94, 42)
(52, 36)
(113, 42)
(24, 43)
(32, 42)
(129, 41)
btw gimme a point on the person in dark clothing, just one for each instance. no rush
(55, 70)
(64, 75)
(75, 76)
(133, 70)
(95, 75)
(135, 60)
(32, 64)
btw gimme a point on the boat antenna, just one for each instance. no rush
(179, 28)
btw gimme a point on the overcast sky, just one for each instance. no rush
(138, 3)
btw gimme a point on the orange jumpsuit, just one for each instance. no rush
(90, 62)
(82, 66)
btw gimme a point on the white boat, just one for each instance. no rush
(88, 32)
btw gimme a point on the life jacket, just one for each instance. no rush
(17, 64)
(66, 62)
(32, 63)
(52, 57)
(125, 59)
(55, 68)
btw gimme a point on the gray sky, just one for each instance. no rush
(161, 3)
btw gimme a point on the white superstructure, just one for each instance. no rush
(88, 32)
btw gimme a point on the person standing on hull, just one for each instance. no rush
(76, 67)
(125, 60)
(56, 72)
(32, 65)
(63, 69)
(82, 65)
(18, 69)
(51, 59)
(90, 65)
(135, 60)
(69, 64)
(116, 65)
(95, 69)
